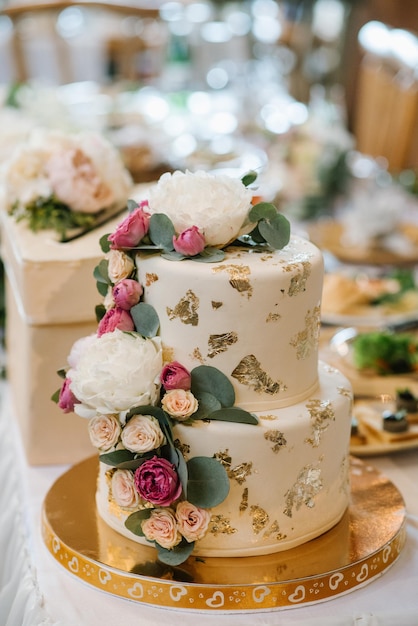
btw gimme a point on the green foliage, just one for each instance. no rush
(145, 319)
(161, 231)
(134, 521)
(50, 213)
(104, 243)
(207, 379)
(249, 178)
(208, 482)
(177, 555)
(234, 414)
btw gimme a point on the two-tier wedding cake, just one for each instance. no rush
(219, 432)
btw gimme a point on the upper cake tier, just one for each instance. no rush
(254, 315)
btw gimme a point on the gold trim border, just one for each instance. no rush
(225, 598)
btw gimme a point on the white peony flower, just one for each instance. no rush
(217, 205)
(118, 371)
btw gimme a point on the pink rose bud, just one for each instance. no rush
(127, 293)
(175, 376)
(67, 399)
(157, 481)
(113, 319)
(190, 242)
(132, 230)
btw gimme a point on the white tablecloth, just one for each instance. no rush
(35, 590)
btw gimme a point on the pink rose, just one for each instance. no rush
(132, 230)
(157, 481)
(127, 293)
(104, 431)
(76, 182)
(175, 376)
(113, 319)
(67, 399)
(142, 434)
(190, 242)
(161, 526)
(192, 521)
(123, 489)
(179, 404)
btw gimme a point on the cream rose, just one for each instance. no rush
(118, 371)
(104, 431)
(179, 404)
(161, 527)
(142, 434)
(217, 205)
(123, 489)
(120, 265)
(192, 521)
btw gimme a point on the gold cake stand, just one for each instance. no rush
(363, 545)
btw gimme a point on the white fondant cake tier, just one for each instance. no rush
(288, 474)
(255, 316)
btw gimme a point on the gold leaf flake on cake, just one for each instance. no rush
(240, 472)
(244, 501)
(268, 418)
(168, 354)
(186, 309)
(196, 354)
(307, 485)
(273, 317)
(221, 525)
(343, 391)
(274, 530)
(277, 438)
(322, 414)
(259, 519)
(220, 343)
(150, 278)
(298, 282)
(216, 305)
(250, 373)
(239, 277)
(184, 448)
(307, 339)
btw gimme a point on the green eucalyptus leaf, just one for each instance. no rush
(101, 272)
(145, 319)
(117, 457)
(207, 405)
(172, 255)
(249, 178)
(134, 521)
(208, 483)
(211, 380)
(56, 396)
(262, 210)
(131, 205)
(161, 231)
(209, 255)
(62, 373)
(102, 288)
(105, 243)
(276, 231)
(100, 311)
(176, 555)
(177, 459)
(234, 414)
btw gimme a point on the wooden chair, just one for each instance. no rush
(123, 53)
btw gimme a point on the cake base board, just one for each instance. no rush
(359, 549)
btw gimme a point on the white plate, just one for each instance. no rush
(371, 319)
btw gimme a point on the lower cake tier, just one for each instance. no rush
(289, 474)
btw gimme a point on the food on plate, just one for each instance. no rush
(386, 353)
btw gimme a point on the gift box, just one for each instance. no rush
(50, 303)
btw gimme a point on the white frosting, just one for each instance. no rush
(255, 317)
(288, 474)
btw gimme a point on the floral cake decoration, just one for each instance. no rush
(118, 380)
(65, 182)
